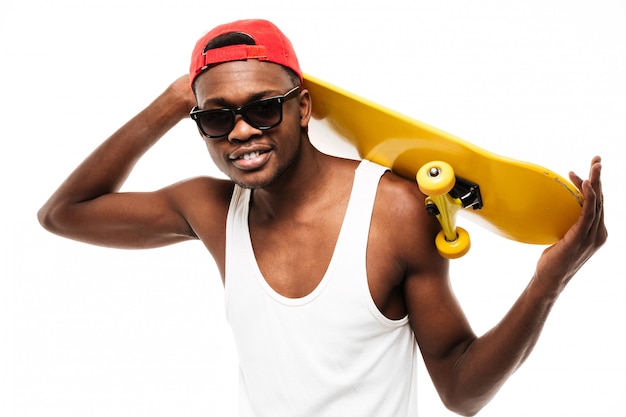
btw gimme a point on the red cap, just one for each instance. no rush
(271, 45)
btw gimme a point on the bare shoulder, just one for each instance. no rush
(203, 202)
(402, 260)
(403, 204)
(197, 189)
(200, 196)
(402, 223)
(404, 193)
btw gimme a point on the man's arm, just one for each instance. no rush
(87, 206)
(468, 370)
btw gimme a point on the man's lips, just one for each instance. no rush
(250, 159)
(248, 152)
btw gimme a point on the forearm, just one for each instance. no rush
(469, 370)
(491, 359)
(106, 169)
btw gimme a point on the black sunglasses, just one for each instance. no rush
(262, 114)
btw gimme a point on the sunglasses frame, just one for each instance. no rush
(196, 113)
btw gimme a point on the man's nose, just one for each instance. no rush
(242, 131)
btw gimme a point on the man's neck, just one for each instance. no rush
(311, 180)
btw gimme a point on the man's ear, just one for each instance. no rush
(306, 108)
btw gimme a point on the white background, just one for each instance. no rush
(87, 331)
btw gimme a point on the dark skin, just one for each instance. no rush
(299, 199)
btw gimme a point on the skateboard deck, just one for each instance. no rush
(514, 199)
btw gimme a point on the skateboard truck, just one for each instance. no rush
(445, 195)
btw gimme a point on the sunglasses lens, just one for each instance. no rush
(216, 123)
(264, 114)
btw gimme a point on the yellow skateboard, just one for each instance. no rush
(518, 200)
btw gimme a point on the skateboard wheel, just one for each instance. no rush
(436, 178)
(453, 249)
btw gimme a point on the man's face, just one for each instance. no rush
(251, 157)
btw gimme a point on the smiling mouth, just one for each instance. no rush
(247, 154)
(251, 160)
(250, 155)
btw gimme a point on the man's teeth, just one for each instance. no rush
(251, 155)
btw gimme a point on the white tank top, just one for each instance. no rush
(331, 352)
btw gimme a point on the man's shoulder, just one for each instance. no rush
(400, 205)
(403, 193)
(201, 191)
(205, 182)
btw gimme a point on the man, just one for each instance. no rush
(329, 267)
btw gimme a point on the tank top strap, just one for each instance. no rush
(359, 212)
